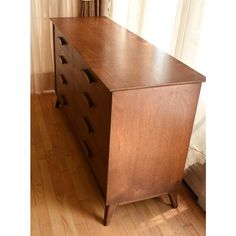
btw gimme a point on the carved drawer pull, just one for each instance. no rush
(62, 40)
(87, 99)
(63, 100)
(87, 125)
(62, 59)
(86, 149)
(87, 75)
(63, 79)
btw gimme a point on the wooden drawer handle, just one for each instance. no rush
(86, 149)
(88, 100)
(62, 59)
(87, 75)
(63, 100)
(63, 79)
(62, 41)
(87, 125)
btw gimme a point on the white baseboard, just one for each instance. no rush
(49, 91)
(45, 91)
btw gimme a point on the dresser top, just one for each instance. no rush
(121, 59)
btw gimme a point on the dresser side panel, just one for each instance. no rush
(150, 134)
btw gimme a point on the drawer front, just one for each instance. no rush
(97, 139)
(95, 147)
(96, 161)
(66, 104)
(65, 87)
(61, 44)
(64, 80)
(63, 62)
(64, 73)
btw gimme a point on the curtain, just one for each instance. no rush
(190, 49)
(177, 27)
(42, 77)
(153, 20)
(95, 7)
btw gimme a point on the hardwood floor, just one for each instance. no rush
(65, 199)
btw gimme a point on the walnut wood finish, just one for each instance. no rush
(133, 120)
(150, 133)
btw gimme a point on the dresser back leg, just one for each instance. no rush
(173, 198)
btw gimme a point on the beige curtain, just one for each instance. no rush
(190, 49)
(95, 7)
(41, 39)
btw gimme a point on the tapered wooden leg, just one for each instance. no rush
(173, 199)
(109, 210)
(57, 104)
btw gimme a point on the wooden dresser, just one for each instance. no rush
(131, 105)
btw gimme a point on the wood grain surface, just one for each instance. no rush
(150, 133)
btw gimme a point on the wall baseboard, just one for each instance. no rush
(44, 92)
(49, 91)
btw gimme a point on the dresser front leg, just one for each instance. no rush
(173, 198)
(57, 104)
(109, 210)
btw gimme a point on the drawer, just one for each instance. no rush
(66, 102)
(64, 79)
(88, 130)
(95, 147)
(64, 73)
(98, 164)
(88, 83)
(63, 62)
(61, 44)
(65, 89)
(97, 137)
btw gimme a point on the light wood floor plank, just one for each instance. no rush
(122, 224)
(35, 227)
(93, 212)
(158, 219)
(82, 229)
(67, 216)
(41, 210)
(51, 200)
